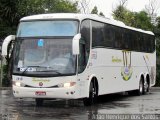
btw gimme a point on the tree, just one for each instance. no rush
(8, 17)
(158, 22)
(94, 10)
(120, 12)
(12, 10)
(101, 14)
(47, 6)
(152, 8)
(143, 21)
(122, 2)
(84, 6)
(134, 19)
(8, 11)
(62, 6)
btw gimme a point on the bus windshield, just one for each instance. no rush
(44, 57)
(45, 48)
(47, 28)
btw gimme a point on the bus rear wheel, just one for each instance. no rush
(146, 87)
(93, 95)
(148, 84)
(141, 90)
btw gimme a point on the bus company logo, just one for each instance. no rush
(40, 80)
(40, 84)
(116, 60)
(126, 70)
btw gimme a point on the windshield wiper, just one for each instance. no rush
(47, 67)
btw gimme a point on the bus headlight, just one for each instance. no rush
(18, 84)
(70, 84)
(66, 85)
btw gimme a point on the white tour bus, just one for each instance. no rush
(73, 56)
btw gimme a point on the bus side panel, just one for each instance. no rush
(118, 70)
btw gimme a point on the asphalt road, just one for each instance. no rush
(117, 106)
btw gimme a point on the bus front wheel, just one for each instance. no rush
(93, 94)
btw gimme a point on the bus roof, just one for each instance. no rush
(81, 17)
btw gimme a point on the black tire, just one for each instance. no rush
(141, 90)
(148, 87)
(93, 95)
(39, 102)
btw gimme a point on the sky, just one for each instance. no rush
(107, 6)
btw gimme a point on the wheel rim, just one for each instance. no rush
(141, 87)
(146, 87)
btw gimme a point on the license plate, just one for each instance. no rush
(40, 93)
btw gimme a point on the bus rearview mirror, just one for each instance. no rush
(6, 43)
(75, 44)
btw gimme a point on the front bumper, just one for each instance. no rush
(60, 93)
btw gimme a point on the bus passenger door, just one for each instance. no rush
(81, 67)
(81, 58)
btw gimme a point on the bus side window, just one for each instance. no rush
(108, 36)
(82, 58)
(118, 38)
(84, 45)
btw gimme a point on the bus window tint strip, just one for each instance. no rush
(106, 35)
